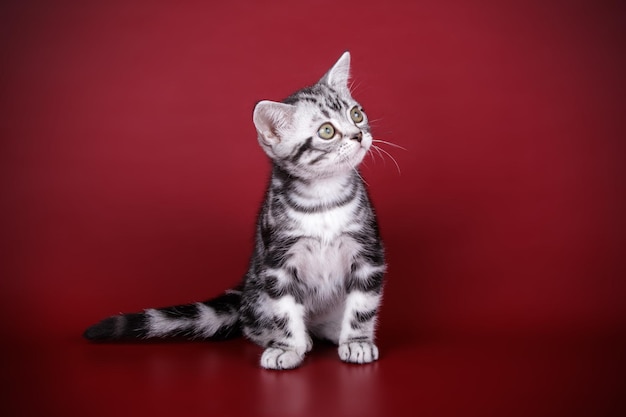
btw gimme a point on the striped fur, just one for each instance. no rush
(318, 263)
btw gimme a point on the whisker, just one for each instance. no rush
(375, 148)
(360, 176)
(354, 86)
(347, 161)
(390, 144)
(390, 156)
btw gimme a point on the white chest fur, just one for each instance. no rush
(327, 225)
(322, 268)
(324, 253)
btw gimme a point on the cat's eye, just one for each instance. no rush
(356, 114)
(326, 131)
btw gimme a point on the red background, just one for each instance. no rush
(131, 178)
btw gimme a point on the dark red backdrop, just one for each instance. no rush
(131, 178)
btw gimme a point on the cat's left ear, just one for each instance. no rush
(337, 77)
(271, 119)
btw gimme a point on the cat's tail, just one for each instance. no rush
(215, 319)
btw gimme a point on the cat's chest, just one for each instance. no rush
(316, 260)
(325, 248)
(322, 268)
(326, 226)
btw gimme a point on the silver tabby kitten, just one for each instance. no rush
(318, 262)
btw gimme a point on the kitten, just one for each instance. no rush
(318, 262)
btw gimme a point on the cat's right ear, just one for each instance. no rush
(271, 119)
(337, 77)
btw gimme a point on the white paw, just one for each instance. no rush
(277, 358)
(309, 344)
(358, 352)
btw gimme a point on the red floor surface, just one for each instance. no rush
(131, 177)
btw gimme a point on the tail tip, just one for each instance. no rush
(105, 330)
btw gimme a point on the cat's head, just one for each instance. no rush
(318, 131)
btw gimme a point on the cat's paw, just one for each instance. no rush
(309, 344)
(358, 352)
(277, 358)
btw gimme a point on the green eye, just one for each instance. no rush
(356, 115)
(326, 131)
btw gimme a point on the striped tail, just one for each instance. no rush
(215, 319)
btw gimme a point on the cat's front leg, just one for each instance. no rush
(290, 341)
(356, 339)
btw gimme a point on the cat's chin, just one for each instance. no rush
(344, 168)
(355, 159)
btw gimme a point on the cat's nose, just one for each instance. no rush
(358, 137)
